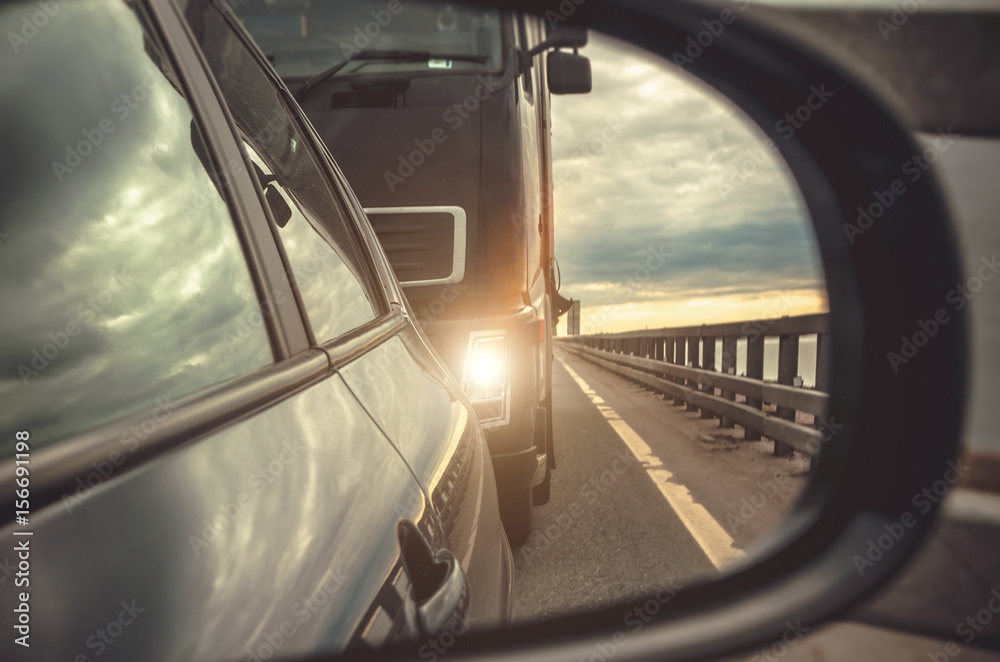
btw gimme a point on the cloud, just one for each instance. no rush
(651, 160)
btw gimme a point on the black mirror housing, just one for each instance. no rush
(568, 73)
(568, 36)
(879, 288)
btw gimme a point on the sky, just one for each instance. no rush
(656, 225)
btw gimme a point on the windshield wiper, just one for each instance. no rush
(384, 56)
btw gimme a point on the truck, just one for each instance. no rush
(439, 116)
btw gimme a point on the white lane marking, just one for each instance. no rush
(717, 545)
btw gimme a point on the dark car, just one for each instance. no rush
(223, 435)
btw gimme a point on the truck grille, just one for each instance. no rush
(425, 245)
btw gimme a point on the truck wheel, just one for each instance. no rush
(515, 513)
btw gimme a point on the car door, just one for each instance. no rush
(195, 480)
(399, 380)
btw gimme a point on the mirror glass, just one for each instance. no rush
(689, 370)
(684, 242)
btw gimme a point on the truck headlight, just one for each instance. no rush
(487, 375)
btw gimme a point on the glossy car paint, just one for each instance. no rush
(417, 405)
(261, 516)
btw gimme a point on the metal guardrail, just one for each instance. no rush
(669, 360)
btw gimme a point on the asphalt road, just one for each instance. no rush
(645, 496)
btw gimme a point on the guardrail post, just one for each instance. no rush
(691, 362)
(755, 370)
(656, 353)
(823, 362)
(708, 363)
(788, 367)
(642, 351)
(728, 368)
(669, 355)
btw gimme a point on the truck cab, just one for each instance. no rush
(438, 115)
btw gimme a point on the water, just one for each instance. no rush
(807, 358)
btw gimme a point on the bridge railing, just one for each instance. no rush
(680, 363)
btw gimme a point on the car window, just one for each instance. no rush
(122, 280)
(321, 249)
(333, 297)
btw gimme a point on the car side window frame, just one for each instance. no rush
(376, 272)
(283, 316)
(196, 415)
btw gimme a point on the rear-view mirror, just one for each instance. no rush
(568, 73)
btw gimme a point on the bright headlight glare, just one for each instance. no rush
(486, 373)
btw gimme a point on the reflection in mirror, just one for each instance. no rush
(686, 395)
(128, 282)
(688, 400)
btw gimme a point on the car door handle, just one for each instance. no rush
(439, 585)
(448, 600)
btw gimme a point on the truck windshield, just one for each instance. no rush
(305, 37)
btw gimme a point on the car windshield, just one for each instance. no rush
(303, 38)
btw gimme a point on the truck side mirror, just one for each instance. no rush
(567, 36)
(568, 73)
